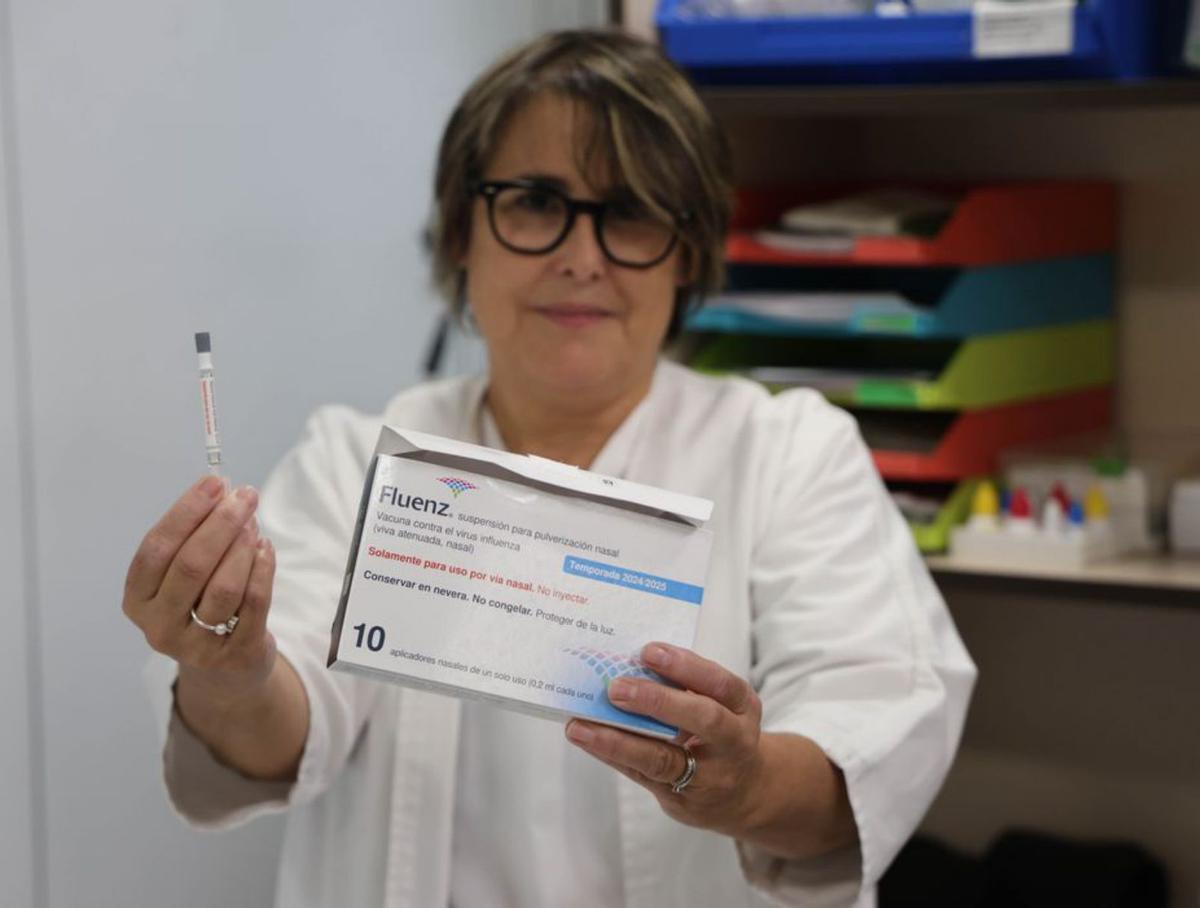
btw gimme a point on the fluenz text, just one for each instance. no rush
(393, 496)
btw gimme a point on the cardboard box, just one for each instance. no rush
(516, 579)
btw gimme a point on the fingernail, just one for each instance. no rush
(212, 486)
(656, 656)
(580, 733)
(620, 689)
(248, 495)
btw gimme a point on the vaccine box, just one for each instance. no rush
(516, 579)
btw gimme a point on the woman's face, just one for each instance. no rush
(568, 320)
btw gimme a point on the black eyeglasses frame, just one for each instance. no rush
(490, 189)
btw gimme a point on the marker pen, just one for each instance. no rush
(1020, 515)
(212, 441)
(985, 507)
(1076, 521)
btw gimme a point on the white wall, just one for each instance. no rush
(258, 170)
(16, 760)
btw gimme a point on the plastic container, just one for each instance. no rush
(1109, 39)
(910, 302)
(1185, 516)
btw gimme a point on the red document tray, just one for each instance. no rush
(993, 225)
(971, 445)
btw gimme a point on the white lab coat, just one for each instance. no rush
(816, 594)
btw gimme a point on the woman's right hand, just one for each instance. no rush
(205, 553)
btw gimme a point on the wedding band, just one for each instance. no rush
(689, 771)
(225, 627)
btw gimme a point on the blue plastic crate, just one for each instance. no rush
(1113, 39)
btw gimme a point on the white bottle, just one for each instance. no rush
(1054, 521)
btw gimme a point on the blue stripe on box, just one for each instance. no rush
(634, 580)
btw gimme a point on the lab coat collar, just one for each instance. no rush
(614, 458)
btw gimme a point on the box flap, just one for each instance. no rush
(543, 472)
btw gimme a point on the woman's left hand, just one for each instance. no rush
(719, 716)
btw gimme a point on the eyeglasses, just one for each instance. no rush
(531, 218)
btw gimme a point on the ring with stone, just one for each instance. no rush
(221, 630)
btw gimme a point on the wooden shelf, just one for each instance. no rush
(1165, 578)
(906, 100)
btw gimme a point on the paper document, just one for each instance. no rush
(1031, 28)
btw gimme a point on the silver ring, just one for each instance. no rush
(222, 629)
(689, 772)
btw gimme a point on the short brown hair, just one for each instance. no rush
(646, 125)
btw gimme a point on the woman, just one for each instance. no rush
(582, 200)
